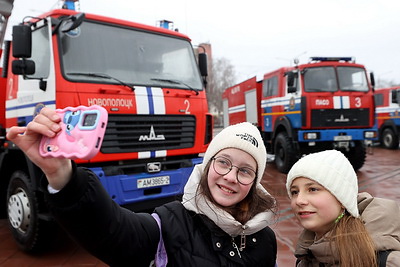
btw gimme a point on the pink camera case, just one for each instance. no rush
(81, 135)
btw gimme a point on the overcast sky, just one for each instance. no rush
(258, 36)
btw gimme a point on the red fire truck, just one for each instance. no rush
(387, 101)
(148, 79)
(325, 104)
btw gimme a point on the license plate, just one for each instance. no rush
(152, 182)
(342, 138)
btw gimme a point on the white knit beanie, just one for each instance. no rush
(333, 171)
(244, 136)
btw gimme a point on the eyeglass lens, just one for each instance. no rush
(223, 166)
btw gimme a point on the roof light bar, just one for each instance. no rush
(346, 59)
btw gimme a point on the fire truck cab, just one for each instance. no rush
(147, 78)
(387, 101)
(325, 104)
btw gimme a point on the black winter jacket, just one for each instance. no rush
(120, 237)
(194, 240)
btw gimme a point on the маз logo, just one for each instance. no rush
(152, 136)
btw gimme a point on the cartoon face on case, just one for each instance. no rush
(71, 119)
(81, 135)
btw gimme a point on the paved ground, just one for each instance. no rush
(380, 176)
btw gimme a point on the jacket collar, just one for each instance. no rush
(315, 251)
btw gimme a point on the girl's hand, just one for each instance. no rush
(58, 171)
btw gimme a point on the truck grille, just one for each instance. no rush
(136, 133)
(340, 117)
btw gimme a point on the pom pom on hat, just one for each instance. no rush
(333, 171)
(244, 136)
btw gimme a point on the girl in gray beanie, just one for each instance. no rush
(341, 227)
(223, 219)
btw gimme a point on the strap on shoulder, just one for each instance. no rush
(382, 257)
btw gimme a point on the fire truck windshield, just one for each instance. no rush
(130, 56)
(330, 79)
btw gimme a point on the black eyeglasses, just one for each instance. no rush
(223, 166)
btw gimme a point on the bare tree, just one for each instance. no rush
(382, 83)
(221, 76)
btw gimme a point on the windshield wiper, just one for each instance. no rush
(176, 82)
(104, 76)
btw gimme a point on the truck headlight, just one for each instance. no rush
(310, 136)
(370, 134)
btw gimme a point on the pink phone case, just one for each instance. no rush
(81, 135)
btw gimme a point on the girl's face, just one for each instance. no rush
(314, 206)
(225, 189)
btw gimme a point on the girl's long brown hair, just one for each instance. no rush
(254, 203)
(351, 240)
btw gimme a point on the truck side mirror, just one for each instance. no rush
(291, 89)
(372, 78)
(203, 64)
(68, 23)
(290, 78)
(23, 67)
(22, 41)
(72, 22)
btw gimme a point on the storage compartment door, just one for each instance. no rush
(251, 106)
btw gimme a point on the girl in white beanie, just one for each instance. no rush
(324, 196)
(222, 221)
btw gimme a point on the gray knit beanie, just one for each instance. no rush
(244, 136)
(333, 171)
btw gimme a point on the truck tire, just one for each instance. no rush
(22, 212)
(356, 155)
(389, 139)
(285, 154)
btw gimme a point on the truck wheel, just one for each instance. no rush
(356, 155)
(389, 139)
(22, 209)
(285, 155)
